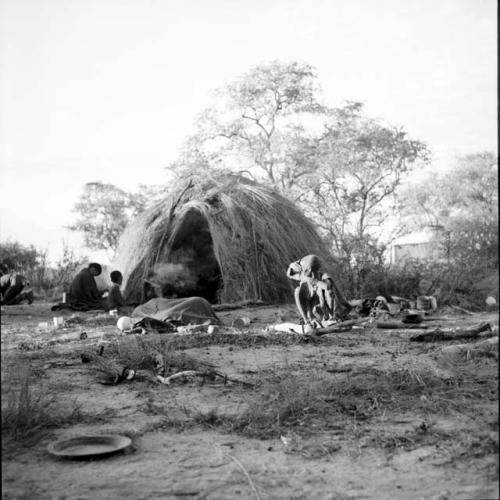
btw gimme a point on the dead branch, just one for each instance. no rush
(211, 374)
(461, 309)
(186, 373)
(437, 318)
(399, 325)
(343, 326)
(238, 305)
(440, 335)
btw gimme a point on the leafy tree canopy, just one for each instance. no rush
(464, 203)
(341, 166)
(104, 211)
(18, 257)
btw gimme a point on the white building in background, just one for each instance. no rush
(428, 243)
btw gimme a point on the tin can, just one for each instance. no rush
(58, 321)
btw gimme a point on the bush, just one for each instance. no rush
(470, 257)
(48, 281)
(61, 275)
(452, 283)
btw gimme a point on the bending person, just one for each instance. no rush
(12, 286)
(317, 297)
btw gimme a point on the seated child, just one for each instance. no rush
(115, 297)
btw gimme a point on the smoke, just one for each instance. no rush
(192, 271)
(178, 277)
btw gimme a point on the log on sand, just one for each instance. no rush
(440, 335)
(399, 325)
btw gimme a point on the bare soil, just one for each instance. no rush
(421, 445)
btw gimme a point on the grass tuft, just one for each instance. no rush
(28, 410)
(287, 399)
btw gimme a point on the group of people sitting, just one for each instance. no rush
(84, 295)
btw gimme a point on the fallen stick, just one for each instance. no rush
(194, 373)
(461, 309)
(186, 373)
(344, 326)
(439, 335)
(399, 325)
(238, 305)
(437, 318)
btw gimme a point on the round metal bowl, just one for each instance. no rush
(89, 446)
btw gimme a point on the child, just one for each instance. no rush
(115, 297)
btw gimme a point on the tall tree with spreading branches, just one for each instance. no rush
(250, 127)
(104, 211)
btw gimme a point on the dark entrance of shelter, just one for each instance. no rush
(192, 269)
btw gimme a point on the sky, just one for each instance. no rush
(107, 90)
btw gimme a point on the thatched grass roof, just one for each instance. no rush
(244, 233)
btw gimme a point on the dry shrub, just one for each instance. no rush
(140, 353)
(27, 410)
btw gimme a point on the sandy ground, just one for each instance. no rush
(173, 458)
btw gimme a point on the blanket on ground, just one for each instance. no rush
(190, 310)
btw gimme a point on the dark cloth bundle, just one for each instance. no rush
(190, 310)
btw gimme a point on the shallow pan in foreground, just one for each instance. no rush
(89, 446)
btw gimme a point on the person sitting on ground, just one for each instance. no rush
(14, 288)
(317, 297)
(115, 297)
(83, 293)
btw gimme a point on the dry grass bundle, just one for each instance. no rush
(227, 241)
(28, 410)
